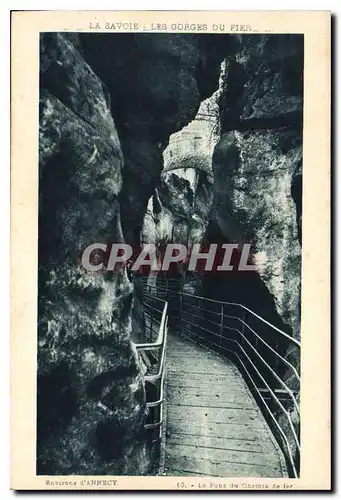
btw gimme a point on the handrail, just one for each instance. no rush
(160, 339)
(160, 343)
(285, 361)
(288, 337)
(243, 357)
(272, 417)
(283, 384)
(280, 430)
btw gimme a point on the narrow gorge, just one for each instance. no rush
(155, 138)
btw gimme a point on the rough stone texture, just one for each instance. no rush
(257, 168)
(197, 161)
(156, 85)
(94, 175)
(188, 204)
(257, 162)
(255, 206)
(264, 87)
(91, 397)
(179, 211)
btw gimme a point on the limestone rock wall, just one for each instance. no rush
(156, 83)
(257, 167)
(90, 386)
(257, 163)
(107, 106)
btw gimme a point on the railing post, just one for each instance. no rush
(276, 358)
(150, 324)
(180, 314)
(243, 329)
(221, 324)
(257, 340)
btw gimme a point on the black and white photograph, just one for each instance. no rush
(170, 251)
(170, 202)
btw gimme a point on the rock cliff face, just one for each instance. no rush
(107, 108)
(156, 84)
(108, 104)
(188, 206)
(257, 191)
(90, 386)
(257, 168)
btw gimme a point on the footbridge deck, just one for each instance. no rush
(214, 425)
(224, 398)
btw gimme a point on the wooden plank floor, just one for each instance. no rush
(214, 426)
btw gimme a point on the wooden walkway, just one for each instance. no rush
(214, 426)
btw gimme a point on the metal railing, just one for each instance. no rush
(155, 348)
(260, 350)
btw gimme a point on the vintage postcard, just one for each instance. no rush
(170, 228)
